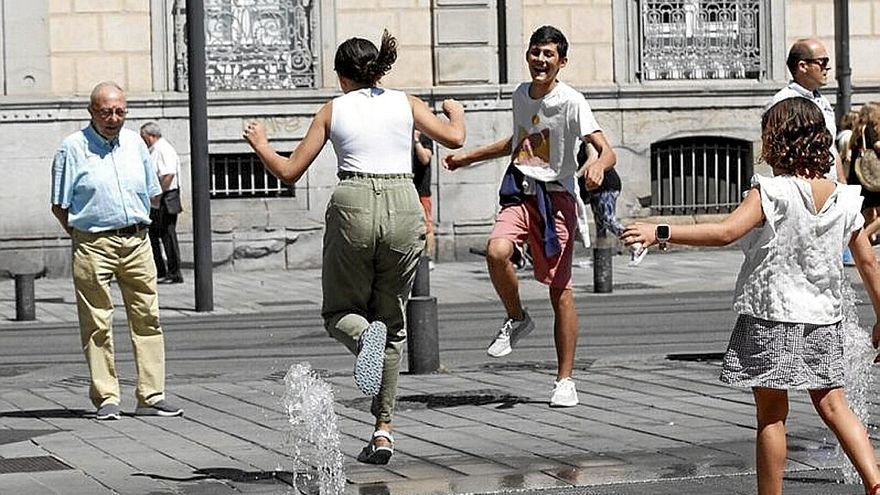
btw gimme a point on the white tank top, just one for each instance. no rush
(371, 131)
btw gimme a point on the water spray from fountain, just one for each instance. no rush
(858, 355)
(313, 434)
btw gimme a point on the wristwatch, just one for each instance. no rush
(662, 233)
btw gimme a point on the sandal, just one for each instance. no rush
(379, 454)
(875, 490)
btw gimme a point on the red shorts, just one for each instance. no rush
(429, 213)
(522, 224)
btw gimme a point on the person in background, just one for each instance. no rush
(865, 137)
(847, 123)
(603, 201)
(842, 143)
(809, 64)
(423, 151)
(163, 229)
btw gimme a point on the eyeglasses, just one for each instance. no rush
(106, 113)
(821, 62)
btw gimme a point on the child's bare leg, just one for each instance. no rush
(872, 221)
(565, 330)
(834, 410)
(501, 271)
(770, 447)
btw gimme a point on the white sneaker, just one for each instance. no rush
(564, 394)
(509, 335)
(637, 254)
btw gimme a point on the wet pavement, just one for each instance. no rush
(645, 424)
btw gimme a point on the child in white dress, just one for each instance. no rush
(795, 227)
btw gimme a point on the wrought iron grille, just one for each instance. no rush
(701, 39)
(253, 44)
(699, 175)
(241, 175)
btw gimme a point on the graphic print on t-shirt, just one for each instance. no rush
(533, 150)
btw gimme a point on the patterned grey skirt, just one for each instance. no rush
(780, 355)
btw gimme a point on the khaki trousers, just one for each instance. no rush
(97, 258)
(375, 234)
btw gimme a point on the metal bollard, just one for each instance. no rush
(422, 283)
(423, 341)
(24, 297)
(602, 276)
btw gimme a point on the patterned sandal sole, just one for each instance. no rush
(370, 359)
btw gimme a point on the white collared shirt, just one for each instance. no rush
(165, 161)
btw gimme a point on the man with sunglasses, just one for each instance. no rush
(809, 64)
(102, 188)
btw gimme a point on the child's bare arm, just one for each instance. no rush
(747, 216)
(291, 168)
(450, 133)
(461, 159)
(605, 159)
(869, 271)
(592, 156)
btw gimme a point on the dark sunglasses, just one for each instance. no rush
(821, 62)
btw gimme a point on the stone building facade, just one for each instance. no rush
(678, 86)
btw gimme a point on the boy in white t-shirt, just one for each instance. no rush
(549, 121)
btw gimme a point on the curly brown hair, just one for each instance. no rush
(795, 138)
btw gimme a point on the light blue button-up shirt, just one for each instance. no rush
(103, 184)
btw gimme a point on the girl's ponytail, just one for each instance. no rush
(386, 57)
(359, 60)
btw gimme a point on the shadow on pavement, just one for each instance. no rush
(374, 489)
(818, 480)
(228, 474)
(453, 399)
(48, 413)
(15, 436)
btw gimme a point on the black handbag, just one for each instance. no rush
(171, 201)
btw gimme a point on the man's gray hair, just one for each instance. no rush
(151, 129)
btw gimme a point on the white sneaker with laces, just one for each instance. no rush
(637, 254)
(501, 345)
(509, 335)
(564, 393)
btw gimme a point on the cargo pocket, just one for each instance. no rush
(352, 225)
(406, 229)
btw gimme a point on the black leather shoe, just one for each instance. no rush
(171, 280)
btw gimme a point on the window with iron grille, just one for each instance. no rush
(699, 175)
(241, 175)
(701, 39)
(254, 44)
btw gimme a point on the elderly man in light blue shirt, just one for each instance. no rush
(102, 189)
